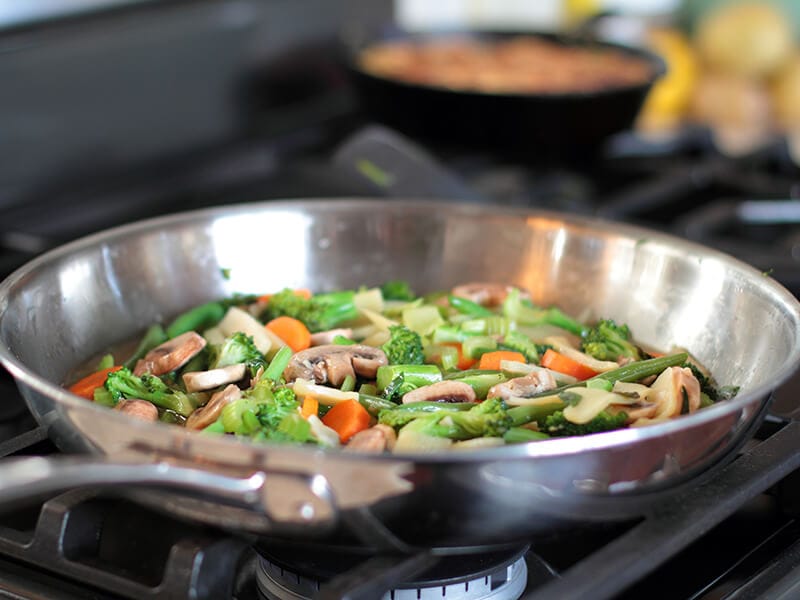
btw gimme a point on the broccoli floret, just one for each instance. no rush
(519, 342)
(404, 347)
(266, 412)
(558, 425)
(709, 387)
(397, 388)
(124, 384)
(397, 290)
(321, 312)
(237, 349)
(609, 341)
(524, 313)
(487, 419)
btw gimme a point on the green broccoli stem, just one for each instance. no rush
(521, 435)
(199, 318)
(215, 427)
(520, 415)
(105, 363)
(413, 375)
(154, 336)
(468, 307)
(482, 382)
(104, 398)
(177, 402)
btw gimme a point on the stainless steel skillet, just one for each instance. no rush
(75, 301)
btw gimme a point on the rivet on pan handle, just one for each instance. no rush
(286, 500)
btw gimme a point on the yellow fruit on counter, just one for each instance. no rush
(753, 39)
(668, 101)
(786, 94)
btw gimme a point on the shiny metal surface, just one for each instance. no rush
(76, 301)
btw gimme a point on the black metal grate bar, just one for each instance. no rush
(680, 521)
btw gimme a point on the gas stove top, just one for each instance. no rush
(732, 533)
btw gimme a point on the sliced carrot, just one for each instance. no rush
(86, 386)
(347, 419)
(292, 331)
(564, 364)
(302, 292)
(464, 362)
(310, 406)
(491, 360)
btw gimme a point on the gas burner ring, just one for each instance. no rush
(504, 580)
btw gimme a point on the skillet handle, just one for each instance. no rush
(270, 501)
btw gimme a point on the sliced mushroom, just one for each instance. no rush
(673, 390)
(441, 391)
(374, 439)
(524, 387)
(198, 381)
(332, 363)
(323, 338)
(206, 415)
(139, 409)
(645, 410)
(486, 294)
(171, 355)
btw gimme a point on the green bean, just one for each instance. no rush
(468, 307)
(198, 318)
(375, 404)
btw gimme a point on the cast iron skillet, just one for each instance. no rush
(558, 125)
(75, 301)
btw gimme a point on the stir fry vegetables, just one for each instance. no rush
(382, 369)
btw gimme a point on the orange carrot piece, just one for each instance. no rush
(310, 406)
(564, 364)
(86, 386)
(491, 360)
(292, 331)
(347, 419)
(464, 362)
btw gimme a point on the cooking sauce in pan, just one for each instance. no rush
(522, 65)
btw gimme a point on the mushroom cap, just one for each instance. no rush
(332, 363)
(442, 391)
(207, 414)
(197, 381)
(171, 355)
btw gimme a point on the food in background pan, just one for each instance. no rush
(382, 369)
(520, 65)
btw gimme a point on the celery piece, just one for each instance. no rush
(422, 319)
(477, 346)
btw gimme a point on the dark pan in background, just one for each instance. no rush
(557, 124)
